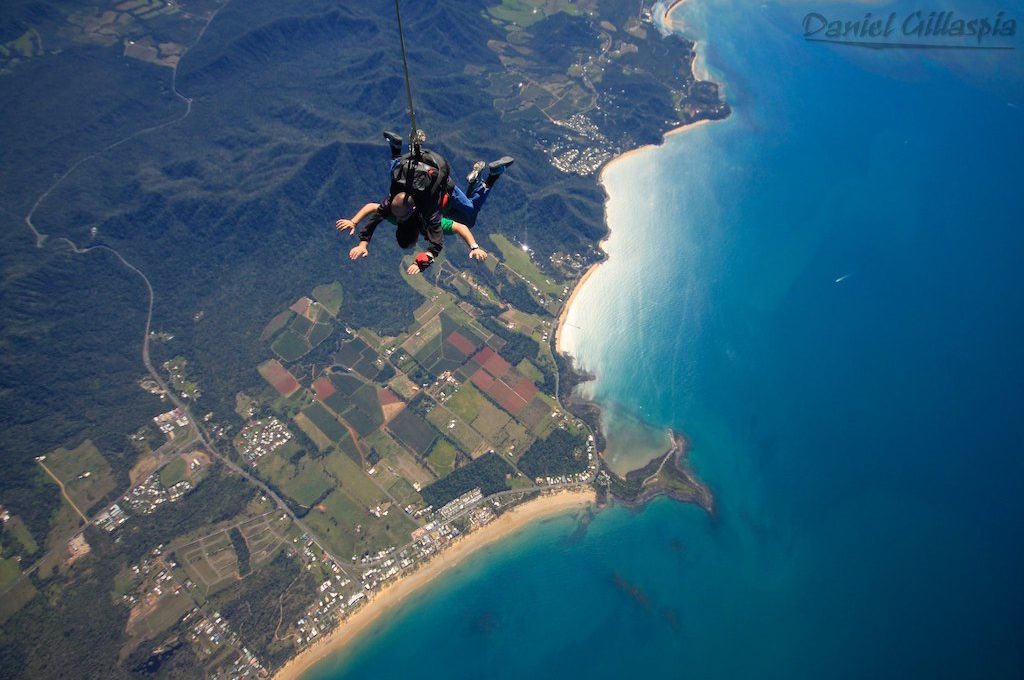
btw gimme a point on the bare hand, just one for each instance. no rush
(413, 269)
(478, 254)
(359, 251)
(343, 224)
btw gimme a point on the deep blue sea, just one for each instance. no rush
(825, 293)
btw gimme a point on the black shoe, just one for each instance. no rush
(474, 175)
(495, 168)
(395, 142)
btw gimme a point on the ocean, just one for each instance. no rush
(824, 292)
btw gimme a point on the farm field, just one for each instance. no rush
(324, 421)
(413, 431)
(309, 324)
(279, 377)
(351, 477)
(442, 458)
(308, 483)
(520, 260)
(330, 296)
(303, 481)
(174, 472)
(349, 530)
(468, 439)
(311, 430)
(154, 617)
(400, 459)
(86, 475)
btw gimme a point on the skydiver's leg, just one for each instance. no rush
(462, 208)
(496, 168)
(395, 142)
(468, 206)
(391, 170)
(478, 194)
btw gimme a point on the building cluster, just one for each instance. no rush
(151, 494)
(370, 558)
(584, 477)
(565, 480)
(111, 518)
(335, 599)
(208, 635)
(374, 577)
(170, 421)
(152, 386)
(480, 516)
(176, 369)
(453, 508)
(432, 537)
(245, 665)
(262, 437)
(573, 261)
(569, 156)
(154, 588)
(77, 547)
(381, 509)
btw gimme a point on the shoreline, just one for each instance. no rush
(698, 69)
(699, 72)
(393, 595)
(563, 315)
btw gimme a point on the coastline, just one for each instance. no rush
(564, 314)
(703, 495)
(699, 72)
(395, 594)
(698, 68)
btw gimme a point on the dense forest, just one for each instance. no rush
(488, 472)
(560, 454)
(241, 551)
(255, 606)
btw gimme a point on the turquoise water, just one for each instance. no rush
(864, 438)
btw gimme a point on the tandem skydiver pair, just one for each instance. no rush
(423, 200)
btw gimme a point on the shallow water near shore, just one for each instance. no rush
(823, 292)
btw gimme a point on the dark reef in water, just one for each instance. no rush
(633, 590)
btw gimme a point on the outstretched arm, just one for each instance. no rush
(475, 251)
(343, 224)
